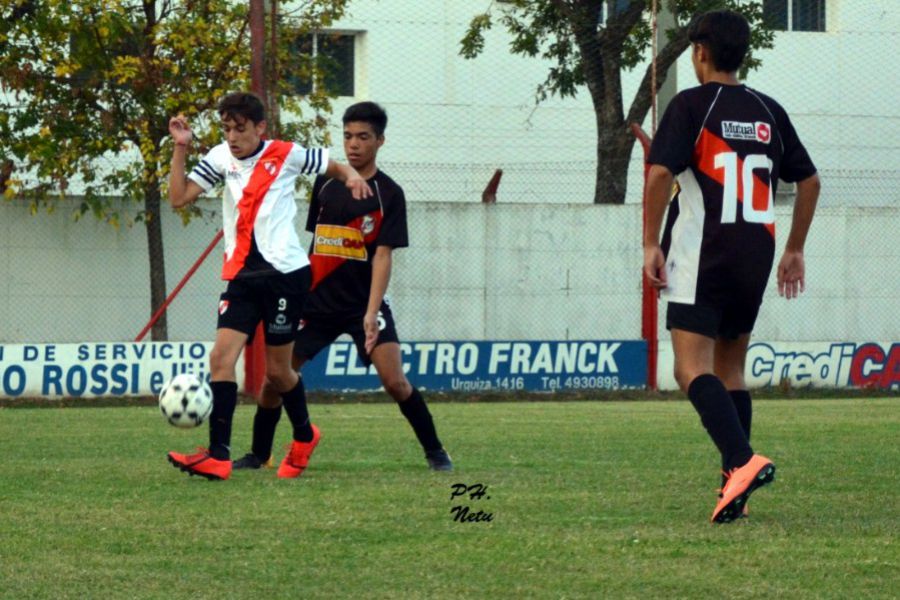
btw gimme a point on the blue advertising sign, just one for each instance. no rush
(491, 366)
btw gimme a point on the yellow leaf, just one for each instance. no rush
(45, 131)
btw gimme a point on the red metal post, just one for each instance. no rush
(178, 287)
(255, 351)
(649, 301)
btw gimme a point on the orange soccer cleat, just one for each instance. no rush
(297, 457)
(201, 464)
(742, 481)
(744, 513)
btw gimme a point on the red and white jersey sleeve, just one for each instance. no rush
(258, 200)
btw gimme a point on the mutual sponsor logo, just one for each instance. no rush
(279, 327)
(337, 240)
(280, 320)
(740, 130)
(223, 306)
(763, 132)
(368, 225)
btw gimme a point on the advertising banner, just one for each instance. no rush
(545, 366)
(98, 369)
(810, 364)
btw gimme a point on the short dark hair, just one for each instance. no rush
(246, 105)
(726, 34)
(367, 112)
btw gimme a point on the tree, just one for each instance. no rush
(588, 50)
(89, 86)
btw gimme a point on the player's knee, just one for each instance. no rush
(398, 388)
(219, 361)
(280, 377)
(683, 378)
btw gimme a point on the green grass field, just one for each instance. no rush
(589, 500)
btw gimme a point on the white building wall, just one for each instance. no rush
(453, 121)
(473, 271)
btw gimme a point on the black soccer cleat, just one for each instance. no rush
(251, 461)
(439, 460)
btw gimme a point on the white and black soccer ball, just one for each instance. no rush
(186, 400)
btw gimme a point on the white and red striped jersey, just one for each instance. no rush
(258, 206)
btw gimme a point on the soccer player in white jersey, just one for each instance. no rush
(265, 266)
(728, 145)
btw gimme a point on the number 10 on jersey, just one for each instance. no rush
(728, 161)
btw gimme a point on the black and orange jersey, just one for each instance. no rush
(728, 145)
(346, 233)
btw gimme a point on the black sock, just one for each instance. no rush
(719, 417)
(742, 405)
(744, 408)
(416, 412)
(264, 422)
(224, 403)
(294, 402)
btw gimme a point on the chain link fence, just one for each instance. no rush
(544, 262)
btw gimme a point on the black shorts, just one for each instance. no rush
(276, 299)
(318, 330)
(730, 323)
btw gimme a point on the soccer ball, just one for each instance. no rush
(186, 400)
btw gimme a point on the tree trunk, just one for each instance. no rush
(614, 144)
(153, 223)
(613, 151)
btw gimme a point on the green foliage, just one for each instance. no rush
(90, 86)
(589, 500)
(548, 29)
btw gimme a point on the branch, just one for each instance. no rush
(584, 29)
(677, 44)
(619, 26)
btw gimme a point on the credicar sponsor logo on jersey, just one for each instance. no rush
(337, 240)
(368, 225)
(763, 132)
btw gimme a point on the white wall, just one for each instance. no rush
(474, 271)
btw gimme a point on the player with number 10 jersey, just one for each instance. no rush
(728, 146)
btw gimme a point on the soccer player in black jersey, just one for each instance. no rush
(727, 145)
(351, 251)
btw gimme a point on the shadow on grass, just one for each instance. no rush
(767, 393)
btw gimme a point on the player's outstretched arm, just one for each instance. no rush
(381, 276)
(659, 191)
(182, 191)
(354, 182)
(792, 268)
